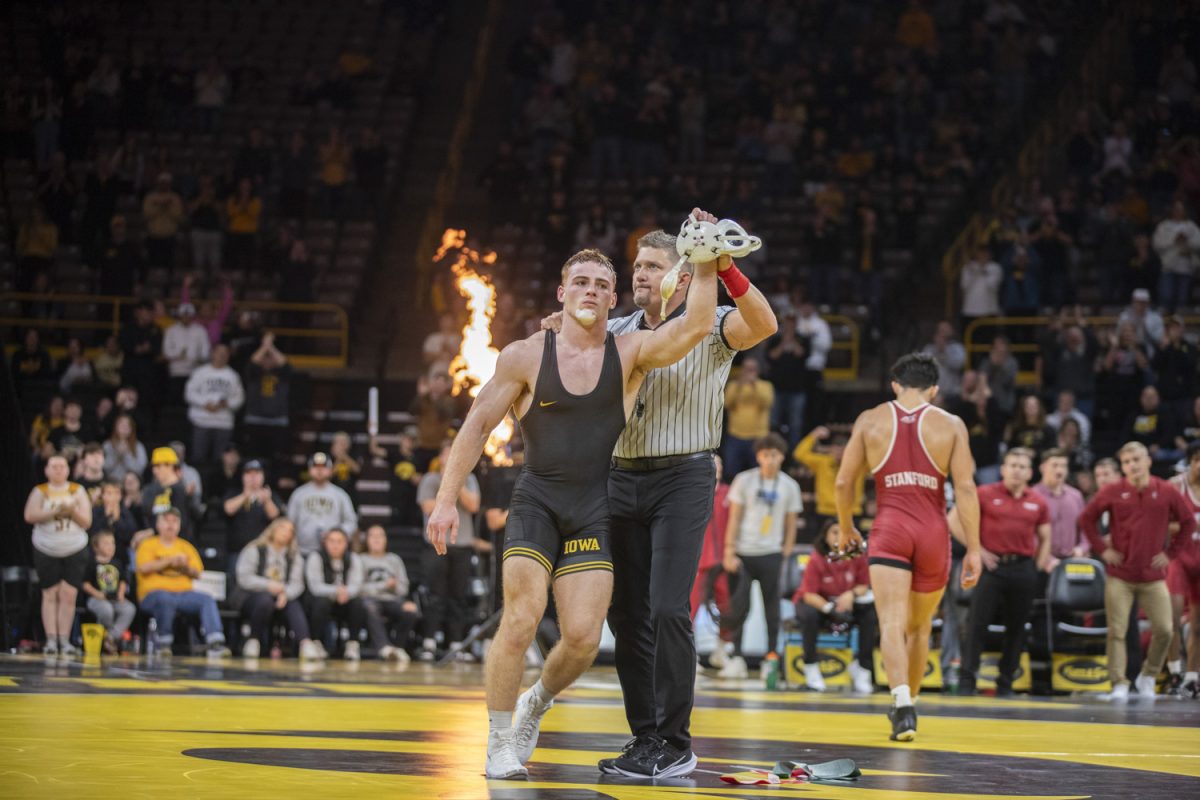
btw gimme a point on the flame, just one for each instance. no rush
(475, 363)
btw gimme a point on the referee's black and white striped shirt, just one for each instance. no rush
(680, 408)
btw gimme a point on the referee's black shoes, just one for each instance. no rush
(904, 723)
(658, 760)
(633, 749)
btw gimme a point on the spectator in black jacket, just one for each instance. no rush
(250, 510)
(167, 491)
(110, 514)
(1154, 424)
(141, 343)
(785, 357)
(370, 169)
(121, 263)
(31, 362)
(268, 382)
(1175, 365)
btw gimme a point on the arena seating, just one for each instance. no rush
(294, 68)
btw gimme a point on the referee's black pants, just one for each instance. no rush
(1007, 592)
(658, 523)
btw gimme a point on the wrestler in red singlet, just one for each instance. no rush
(905, 443)
(1183, 573)
(910, 526)
(1183, 582)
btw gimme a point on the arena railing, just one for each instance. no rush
(843, 361)
(104, 314)
(1022, 333)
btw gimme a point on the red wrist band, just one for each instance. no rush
(735, 282)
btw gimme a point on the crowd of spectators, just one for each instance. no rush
(135, 159)
(1117, 213)
(934, 87)
(308, 566)
(621, 110)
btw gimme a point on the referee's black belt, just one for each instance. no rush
(1012, 558)
(652, 463)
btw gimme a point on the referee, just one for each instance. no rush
(660, 496)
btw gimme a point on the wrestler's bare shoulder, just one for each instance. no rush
(941, 419)
(522, 357)
(523, 348)
(874, 418)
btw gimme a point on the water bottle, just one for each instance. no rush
(151, 637)
(952, 677)
(770, 671)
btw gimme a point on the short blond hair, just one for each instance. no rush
(593, 256)
(1132, 447)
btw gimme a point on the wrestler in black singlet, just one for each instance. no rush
(559, 511)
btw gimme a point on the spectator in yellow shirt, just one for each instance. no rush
(916, 30)
(243, 211)
(334, 157)
(824, 467)
(162, 210)
(855, 161)
(748, 401)
(166, 566)
(37, 241)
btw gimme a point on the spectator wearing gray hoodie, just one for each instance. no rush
(318, 506)
(385, 594)
(214, 392)
(270, 580)
(335, 580)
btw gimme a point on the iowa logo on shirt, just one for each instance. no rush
(162, 502)
(322, 506)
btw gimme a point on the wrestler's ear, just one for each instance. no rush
(561, 292)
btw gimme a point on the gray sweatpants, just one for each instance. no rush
(114, 615)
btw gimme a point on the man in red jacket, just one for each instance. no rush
(714, 550)
(1137, 550)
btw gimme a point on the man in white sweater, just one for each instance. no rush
(185, 346)
(980, 284)
(318, 506)
(213, 393)
(1177, 242)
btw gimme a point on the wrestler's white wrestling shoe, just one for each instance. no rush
(527, 723)
(502, 760)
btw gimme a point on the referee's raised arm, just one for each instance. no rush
(753, 320)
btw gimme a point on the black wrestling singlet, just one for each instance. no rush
(569, 438)
(559, 512)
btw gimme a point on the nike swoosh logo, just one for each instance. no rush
(543, 403)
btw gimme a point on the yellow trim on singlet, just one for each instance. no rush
(572, 568)
(529, 553)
